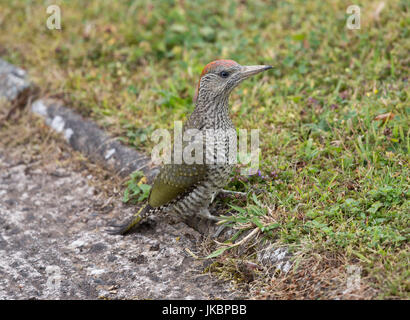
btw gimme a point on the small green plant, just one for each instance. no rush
(136, 190)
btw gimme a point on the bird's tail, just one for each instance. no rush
(125, 228)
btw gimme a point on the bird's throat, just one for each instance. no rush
(211, 114)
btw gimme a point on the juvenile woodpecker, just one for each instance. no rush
(189, 188)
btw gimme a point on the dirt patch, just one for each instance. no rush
(327, 275)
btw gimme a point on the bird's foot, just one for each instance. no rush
(236, 194)
(204, 213)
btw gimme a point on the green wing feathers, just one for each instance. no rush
(173, 181)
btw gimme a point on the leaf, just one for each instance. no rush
(255, 199)
(384, 117)
(217, 253)
(299, 37)
(145, 189)
(126, 197)
(270, 227)
(257, 222)
(239, 209)
(375, 207)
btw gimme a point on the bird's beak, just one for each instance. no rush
(248, 71)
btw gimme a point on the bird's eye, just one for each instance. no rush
(224, 74)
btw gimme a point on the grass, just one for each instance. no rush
(333, 114)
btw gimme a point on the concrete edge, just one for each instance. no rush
(85, 136)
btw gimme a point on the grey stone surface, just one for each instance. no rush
(277, 258)
(53, 244)
(14, 84)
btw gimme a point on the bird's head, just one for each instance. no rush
(219, 77)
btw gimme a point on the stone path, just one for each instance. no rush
(53, 244)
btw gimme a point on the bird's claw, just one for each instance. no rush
(236, 194)
(207, 215)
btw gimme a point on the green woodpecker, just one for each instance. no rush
(189, 188)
